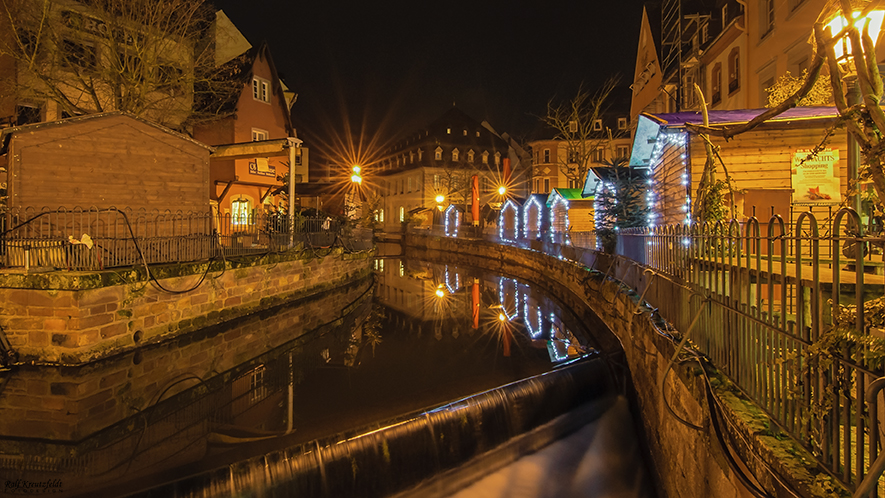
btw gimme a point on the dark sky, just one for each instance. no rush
(390, 66)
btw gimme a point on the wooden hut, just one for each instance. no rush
(771, 168)
(570, 211)
(102, 160)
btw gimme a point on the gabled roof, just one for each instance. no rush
(240, 71)
(650, 126)
(6, 133)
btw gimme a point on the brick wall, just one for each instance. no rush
(75, 318)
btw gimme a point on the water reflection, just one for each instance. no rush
(420, 336)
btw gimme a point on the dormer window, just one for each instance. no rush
(622, 123)
(470, 156)
(438, 154)
(465, 132)
(485, 157)
(477, 134)
(448, 131)
(455, 155)
(420, 154)
(261, 89)
(497, 158)
(597, 125)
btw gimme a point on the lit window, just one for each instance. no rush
(455, 155)
(477, 134)
(240, 211)
(448, 131)
(260, 89)
(402, 214)
(259, 135)
(465, 133)
(435, 182)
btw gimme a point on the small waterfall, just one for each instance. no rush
(405, 453)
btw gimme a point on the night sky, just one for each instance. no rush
(390, 67)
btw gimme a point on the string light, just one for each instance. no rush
(457, 217)
(501, 220)
(526, 210)
(557, 199)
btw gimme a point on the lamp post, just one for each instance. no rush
(843, 52)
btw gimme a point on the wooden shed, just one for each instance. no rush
(771, 166)
(570, 211)
(102, 160)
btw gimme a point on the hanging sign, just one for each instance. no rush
(816, 178)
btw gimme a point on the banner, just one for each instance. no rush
(816, 179)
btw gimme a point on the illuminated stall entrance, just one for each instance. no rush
(508, 221)
(451, 221)
(532, 212)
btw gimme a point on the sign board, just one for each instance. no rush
(261, 168)
(816, 178)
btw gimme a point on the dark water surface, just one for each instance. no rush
(419, 336)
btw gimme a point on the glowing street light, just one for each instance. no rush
(356, 177)
(502, 190)
(843, 47)
(440, 292)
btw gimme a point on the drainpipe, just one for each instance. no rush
(292, 145)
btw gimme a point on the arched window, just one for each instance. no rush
(438, 154)
(734, 70)
(455, 154)
(240, 211)
(470, 155)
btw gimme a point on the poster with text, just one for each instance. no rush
(816, 177)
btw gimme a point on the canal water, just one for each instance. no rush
(425, 380)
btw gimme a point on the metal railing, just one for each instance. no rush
(92, 239)
(793, 315)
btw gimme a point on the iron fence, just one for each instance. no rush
(792, 313)
(92, 239)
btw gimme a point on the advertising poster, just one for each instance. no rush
(816, 179)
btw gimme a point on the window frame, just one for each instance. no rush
(261, 89)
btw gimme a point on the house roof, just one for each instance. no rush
(6, 133)
(569, 194)
(650, 126)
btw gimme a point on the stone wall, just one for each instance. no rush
(686, 462)
(77, 317)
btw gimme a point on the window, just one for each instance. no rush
(470, 155)
(546, 155)
(257, 389)
(546, 185)
(448, 131)
(240, 211)
(261, 89)
(623, 151)
(420, 154)
(716, 84)
(705, 32)
(485, 157)
(465, 132)
(27, 114)
(734, 68)
(725, 15)
(410, 185)
(486, 184)
(599, 155)
(79, 55)
(573, 155)
(597, 125)
(497, 158)
(477, 134)
(438, 154)
(258, 135)
(411, 157)
(572, 183)
(766, 20)
(402, 218)
(622, 123)
(380, 217)
(435, 182)
(456, 155)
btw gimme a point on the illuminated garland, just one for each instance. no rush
(515, 297)
(674, 139)
(457, 220)
(557, 198)
(526, 209)
(528, 323)
(501, 220)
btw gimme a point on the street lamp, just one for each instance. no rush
(843, 52)
(502, 190)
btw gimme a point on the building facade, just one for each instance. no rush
(436, 170)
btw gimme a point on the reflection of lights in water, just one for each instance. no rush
(501, 297)
(439, 291)
(535, 332)
(502, 317)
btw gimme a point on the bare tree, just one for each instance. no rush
(145, 57)
(578, 123)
